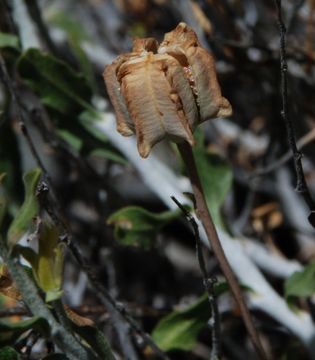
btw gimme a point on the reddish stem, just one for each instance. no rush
(204, 214)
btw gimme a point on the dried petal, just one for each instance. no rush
(124, 123)
(166, 91)
(147, 94)
(211, 103)
(182, 43)
(177, 77)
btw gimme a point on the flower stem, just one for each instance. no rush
(204, 215)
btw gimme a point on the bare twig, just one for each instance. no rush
(93, 310)
(301, 185)
(63, 338)
(214, 322)
(206, 219)
(108, 300)
(4, 76)
(16, 311)
(49, 201)
(163, 182)
(32, 339)
(301, 143)
(208, 282)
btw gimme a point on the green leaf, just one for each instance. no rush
(180, 329)
(28, 210)
(216, 177)
(301, 283)
(59, 87)
(74, 141)
(9, 40)
(96, 339)
(138, 227)
(11, 331)
(110, 154)
(49, 269)
(87, 119)
(8, 353)
(47, 264)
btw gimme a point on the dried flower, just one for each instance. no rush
(164, 91)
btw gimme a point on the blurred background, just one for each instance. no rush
(117, 207)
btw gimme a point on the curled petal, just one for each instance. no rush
(182, 36)
(164, 91)
(210, 100)
(182, 44)
(182, 93)
(147, 94)
(124, 122)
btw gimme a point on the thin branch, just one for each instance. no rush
(4, 76)
(46, 194)
(117, 310)
(109, 301)
(98, 311)
(214, 241)
(32, 339)
(208, 283)
(214, 322)
(301, 185)
(301, 143)
(15, 311)
(194, 225)
(163, 182)
(64, 339)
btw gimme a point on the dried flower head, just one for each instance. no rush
(164, 91)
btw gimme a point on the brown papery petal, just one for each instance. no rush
(183, 45)
(124, 123)
(179, 83)
(211, 102)
(147, 94)
(182, 35)
(164, 92)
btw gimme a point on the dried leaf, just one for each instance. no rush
(124, 123)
